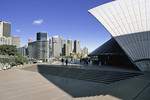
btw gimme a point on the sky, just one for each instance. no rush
(66, 18)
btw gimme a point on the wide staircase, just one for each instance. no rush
(99, 76)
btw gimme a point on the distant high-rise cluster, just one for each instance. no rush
(45, 47)
(5, 37)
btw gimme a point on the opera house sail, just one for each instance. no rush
(128, 21)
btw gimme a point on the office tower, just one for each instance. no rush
(16, 41)
(77, 48)
(85, 50)
(39, 50)
(5, 29)
(5, 37)
(67, 49)
(63, 42)
(23, 50)
(43, 50)
(30, 40)
(70, 45)
(50, 48)
(41, 36)
(56, 46)
(32, 50)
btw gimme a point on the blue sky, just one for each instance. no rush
(66, 18)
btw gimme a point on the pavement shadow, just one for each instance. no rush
(82, 82)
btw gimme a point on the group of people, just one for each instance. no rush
(64, 61)
(85, 61)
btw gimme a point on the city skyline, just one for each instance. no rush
(67, 18)
(44, 48)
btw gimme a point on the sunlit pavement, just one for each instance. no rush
(20, 84)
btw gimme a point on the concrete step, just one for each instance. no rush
(99, 76)
(100, 97)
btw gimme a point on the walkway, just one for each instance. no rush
(21, 84)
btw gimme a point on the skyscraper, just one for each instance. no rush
(70, 46)
(63, 42)
(5, 29)
(56, 46)
(15, 41)
(77, 48)
(23, 50)
(5, 37)
(85, 50)
(40, 49)
(50, 47)
(67, 49)
(41, 36)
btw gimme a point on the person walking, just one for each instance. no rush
(87, 61)
(66, 61)
(62, 60)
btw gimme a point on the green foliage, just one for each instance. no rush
(8, 50)
(20, 60)
(11, 51)
(13, 64)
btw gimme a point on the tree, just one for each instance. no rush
(11, 51)
(8, 50)
(20, 59)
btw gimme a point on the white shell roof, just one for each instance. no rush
(122, 17)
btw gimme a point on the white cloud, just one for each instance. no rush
(37, 22)
(18, 30)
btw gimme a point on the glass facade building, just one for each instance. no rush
(41, 36)
(39, 50)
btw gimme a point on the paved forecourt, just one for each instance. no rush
(21, 84)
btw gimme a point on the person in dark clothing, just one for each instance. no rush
(62, 60)
(66, 61)
(87, 61)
